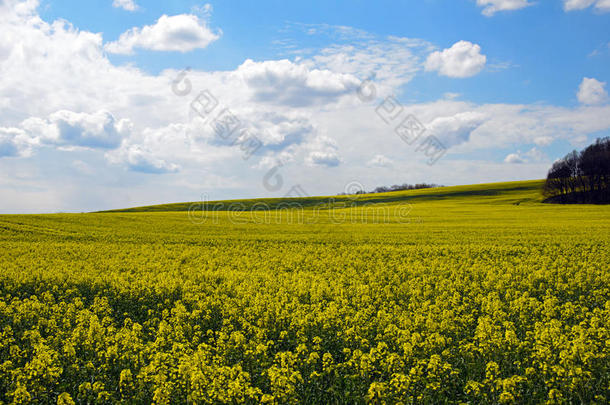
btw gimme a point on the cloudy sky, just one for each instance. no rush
(115, 103)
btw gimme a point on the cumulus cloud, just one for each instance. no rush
(180, 33)
(14, 142)
(18, 8)
(324, 152)
(455, 129)
(66, 128)
(278, 131)
(139, 159)
(47, 67)
(463, 59)
(541, 125)
(270, 130)
(592, 91)
(490, 7)
(600, 5)
(513, 158)
(128, 5)
(293, 84)
(324, 158)
(153, 150)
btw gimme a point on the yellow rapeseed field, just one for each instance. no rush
(474, 294)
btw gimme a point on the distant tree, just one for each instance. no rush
(581, 177)
(397, 187)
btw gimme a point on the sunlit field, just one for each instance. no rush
(473, 294)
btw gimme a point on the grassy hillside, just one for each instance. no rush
(491, 193)
(473, 294)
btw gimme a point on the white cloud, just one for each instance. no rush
(592, 91)
(391, 62)
(541, 125)
(14, 142)
(180, 33)
(545, 140)
(128, 5)
(532, 156)
(278, 131)
(324, 152)
(293, 84)
(455, 129)
(18, 8)
(600, 5)
(50, 67)
(335, 32)
(463, 59)
(139, 159)
(66, 128)
(513, 158)
(153, 150)
(324, 158)
(493, 6)
(205, 10)
(274, 159)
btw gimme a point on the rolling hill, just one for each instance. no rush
(490, 193)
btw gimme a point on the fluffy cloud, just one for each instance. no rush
(279, 131)
(592, 91)
(463, 59)
(271, 130)
(600, 5)
(139, 159)
(490, 7)
(18, 8)
(128, 5)
(293, 84)
(455, 129)
(180, 33)
(324, 158)
(324, 153)
(50, 67)
(153, 150)
(69, 129)
(14, 142)
(507, 125)
(65, 129)
(514, 158)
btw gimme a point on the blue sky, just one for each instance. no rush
(88, 118)
(547, 50)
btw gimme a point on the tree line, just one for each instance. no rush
(581, 177)
(396, 187)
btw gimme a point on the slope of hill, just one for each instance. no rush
(490, 193)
